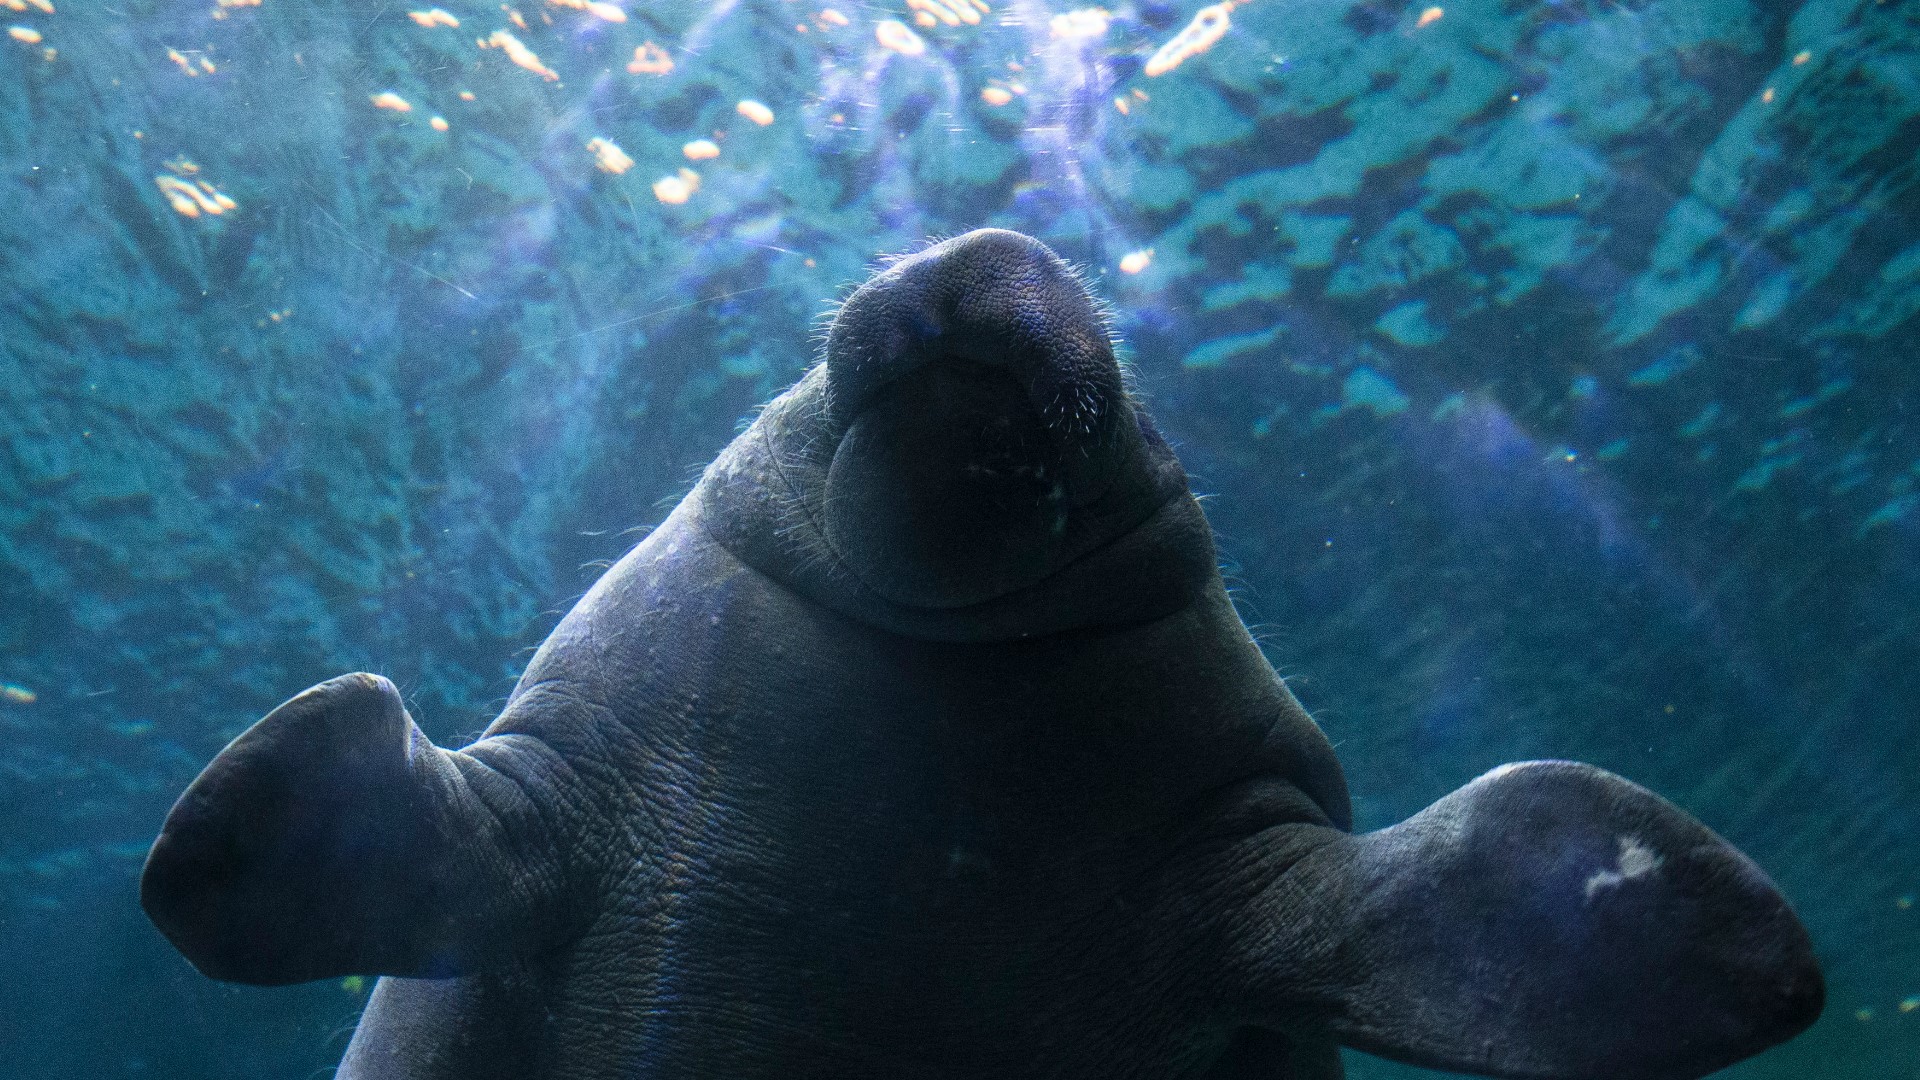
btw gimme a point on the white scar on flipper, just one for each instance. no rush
(1636, 860)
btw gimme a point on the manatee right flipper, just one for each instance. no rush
(1549, 920)
(332, 838)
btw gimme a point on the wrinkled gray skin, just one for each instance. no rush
(922, 741)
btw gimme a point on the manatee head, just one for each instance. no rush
(967, 463)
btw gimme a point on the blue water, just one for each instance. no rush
(1551, 368)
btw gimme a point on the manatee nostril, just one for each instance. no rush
(991, 297)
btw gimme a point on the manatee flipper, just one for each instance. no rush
(332, 838)
(1548, 920)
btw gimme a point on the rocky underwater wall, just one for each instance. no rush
(1552, 367)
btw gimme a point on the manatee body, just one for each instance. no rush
(922, 741)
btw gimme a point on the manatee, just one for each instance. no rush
(923, 740)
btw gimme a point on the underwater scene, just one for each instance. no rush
(1548, 370)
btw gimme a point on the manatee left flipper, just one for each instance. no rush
(1548, 920)
(332, 838)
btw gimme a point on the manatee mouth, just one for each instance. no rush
(987, 435)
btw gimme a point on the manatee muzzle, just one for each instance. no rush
(991, 297)
(984, 421)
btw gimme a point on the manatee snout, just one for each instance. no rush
(993, 300)
(987, 430)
